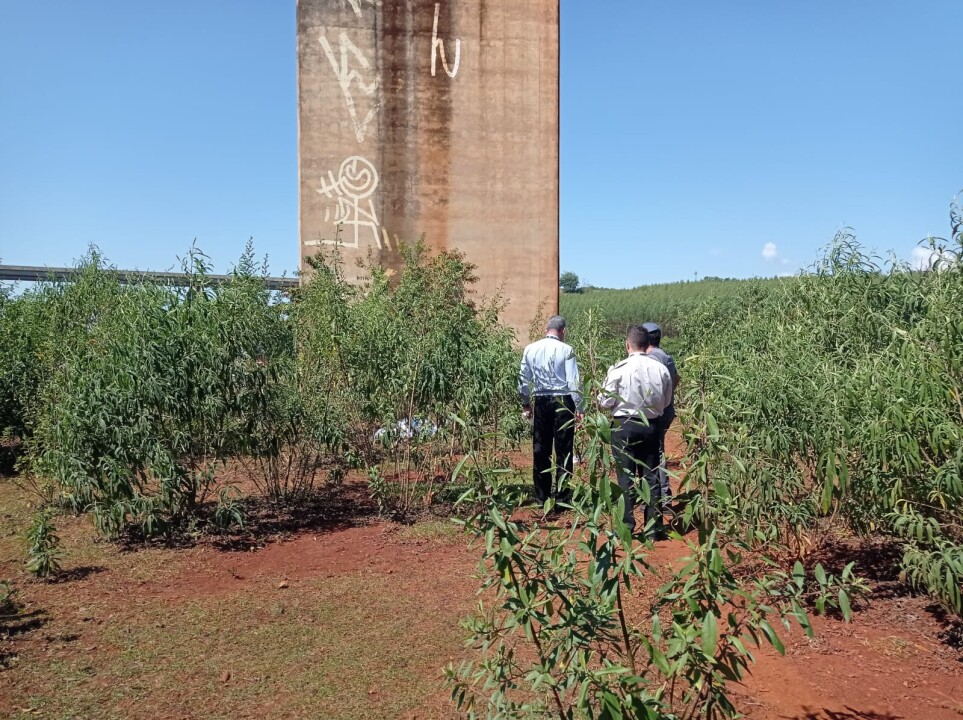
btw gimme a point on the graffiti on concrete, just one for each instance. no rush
(351, 68)
(438, 49)
(353, 207)
(384, 234)
(356, 5)
(352, 190)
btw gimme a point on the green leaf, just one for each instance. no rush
(820, 574)
(712, 426)
(659, 659)
(772, 637)
(611, 706)
(826, 500)
(844, 605)
(710, 635)
(721, 489)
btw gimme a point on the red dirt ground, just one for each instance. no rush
(889, 663)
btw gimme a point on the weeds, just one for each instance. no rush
(380, 491)
(837, 593)
(8, 605)
(43, 554)
(229, 513)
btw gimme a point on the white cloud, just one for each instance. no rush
(769, 251)
(923, 258)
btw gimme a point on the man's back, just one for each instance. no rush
(637, 384)
(549, 368)
(663, 357)
(551, 393)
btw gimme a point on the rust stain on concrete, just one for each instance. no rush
(435, 118)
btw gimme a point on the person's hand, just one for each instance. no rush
(579, 418)
(527, 412)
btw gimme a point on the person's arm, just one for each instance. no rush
(667, 388)
(673, 373)
(609, 397)
(525, 381)
(574, 382)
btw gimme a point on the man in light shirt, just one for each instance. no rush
(551, 394)
(655, 339)
(637, 391)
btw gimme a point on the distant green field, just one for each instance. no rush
(665, 304)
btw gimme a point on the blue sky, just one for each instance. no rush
(728, 139)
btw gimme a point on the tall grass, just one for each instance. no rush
(667, 304)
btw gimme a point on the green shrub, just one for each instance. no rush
(837, 592)
(552, 630)
(133, 396)
(38, 329)
(837, 400)
(389, 361)
(155, 396)
(668, 304)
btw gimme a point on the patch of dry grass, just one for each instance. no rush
(352, 645)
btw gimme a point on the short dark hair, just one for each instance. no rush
(637, 336)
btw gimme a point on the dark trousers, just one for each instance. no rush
(663, 424)
(635, 447)
(553, 427)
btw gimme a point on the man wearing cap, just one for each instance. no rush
(637, 391)
(551, 394)
(655, 338)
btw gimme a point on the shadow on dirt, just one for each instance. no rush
(847, 714)
(10, 451)
(877, 560)
(328, 510)
(14, 622)
(265, 521)
(77, 573)
(952, 633)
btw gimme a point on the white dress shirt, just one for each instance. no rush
(638, 385)
(549, 368)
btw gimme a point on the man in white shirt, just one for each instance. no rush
(551, 394)
(637, 390)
